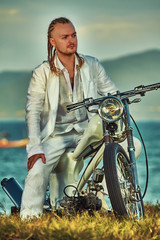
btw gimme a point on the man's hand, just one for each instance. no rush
(34, 158)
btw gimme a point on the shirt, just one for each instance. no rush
(76, 119)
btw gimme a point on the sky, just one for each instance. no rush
(106, 29)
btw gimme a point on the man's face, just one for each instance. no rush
(64, 39)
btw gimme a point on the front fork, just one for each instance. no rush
(131, 147)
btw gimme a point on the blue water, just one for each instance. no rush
(13, 160)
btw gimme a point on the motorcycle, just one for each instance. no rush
(103, 143)
(111, 170)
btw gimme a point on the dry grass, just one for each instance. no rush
(82, 227)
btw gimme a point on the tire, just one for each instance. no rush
(118, 175)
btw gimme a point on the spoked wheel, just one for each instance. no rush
(118, 175)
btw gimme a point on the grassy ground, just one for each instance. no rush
(82, 227)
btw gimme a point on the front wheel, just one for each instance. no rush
(118, 175)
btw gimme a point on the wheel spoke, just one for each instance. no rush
(132, 207)
(120, 182)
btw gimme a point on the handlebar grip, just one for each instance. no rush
(85, 103)
(74, 106)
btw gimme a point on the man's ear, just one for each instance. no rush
(52, 42)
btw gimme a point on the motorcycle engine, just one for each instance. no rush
(89, 202)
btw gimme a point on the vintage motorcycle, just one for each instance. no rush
(104, 141)
(110, 148)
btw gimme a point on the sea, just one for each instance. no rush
(13, 161)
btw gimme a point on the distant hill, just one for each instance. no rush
(127, 72)
(13, 90)
(134, 70)
(130, 71)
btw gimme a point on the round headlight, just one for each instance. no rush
(111, 109)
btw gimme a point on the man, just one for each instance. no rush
(65, 78)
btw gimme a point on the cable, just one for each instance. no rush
(64, 190)
(145, 152)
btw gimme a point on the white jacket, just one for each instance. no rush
(43, 96)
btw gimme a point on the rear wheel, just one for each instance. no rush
(118, 174)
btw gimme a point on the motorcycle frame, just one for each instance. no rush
(96, 159)
(124, 96)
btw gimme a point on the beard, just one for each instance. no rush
(67, 53)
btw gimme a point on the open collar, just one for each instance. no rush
(60, 66)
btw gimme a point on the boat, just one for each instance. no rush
(5, 143)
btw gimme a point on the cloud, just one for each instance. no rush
(12, 11)
(10, 15)
(154, 109)
(20, 113)
(118, 37)
(3, 114)
(107, 31)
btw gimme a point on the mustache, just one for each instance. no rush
(71, 45)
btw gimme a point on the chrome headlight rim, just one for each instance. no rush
(113, 98)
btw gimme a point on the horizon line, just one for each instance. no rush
(101, 60)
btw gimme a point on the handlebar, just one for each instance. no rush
(141, 90)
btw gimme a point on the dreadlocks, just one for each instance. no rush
(51, 53)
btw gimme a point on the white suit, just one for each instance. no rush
(41, 109)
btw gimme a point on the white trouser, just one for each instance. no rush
(37, 179)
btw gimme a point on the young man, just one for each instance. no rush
(65, 78)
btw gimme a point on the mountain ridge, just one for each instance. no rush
(127, 72)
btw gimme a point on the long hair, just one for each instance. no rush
(51, 53)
